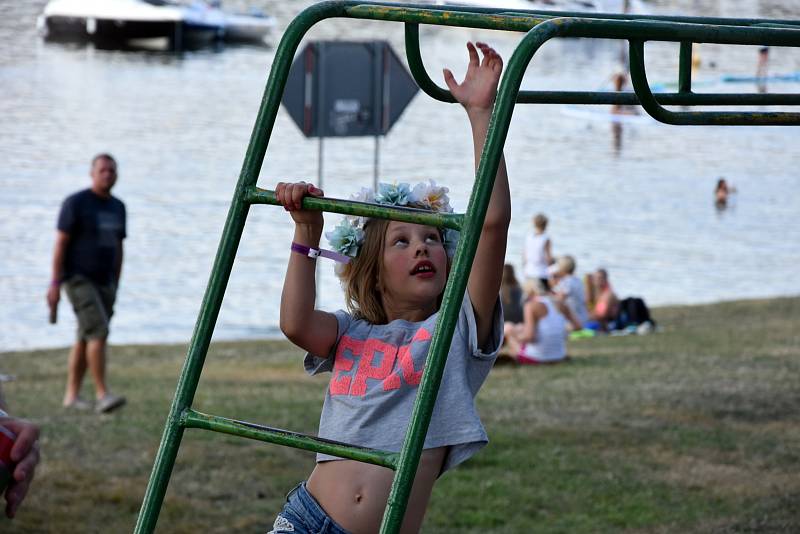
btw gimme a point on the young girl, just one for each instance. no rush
(393, 286)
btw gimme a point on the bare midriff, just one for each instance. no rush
(354, 494)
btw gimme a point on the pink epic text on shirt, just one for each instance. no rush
(396, 362)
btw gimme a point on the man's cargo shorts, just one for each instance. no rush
(93, 305)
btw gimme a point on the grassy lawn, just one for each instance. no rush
(693, 429)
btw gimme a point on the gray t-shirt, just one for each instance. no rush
(572, 288)
(376, 373)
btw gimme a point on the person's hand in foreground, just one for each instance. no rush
(25, 456)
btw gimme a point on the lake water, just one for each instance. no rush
(640, 206)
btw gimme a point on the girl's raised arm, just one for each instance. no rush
(477, 94)
(312, 330)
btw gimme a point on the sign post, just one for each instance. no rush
(347, 89)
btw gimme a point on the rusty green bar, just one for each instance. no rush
(685, 68)
(547, 14)
(256, 195)
(579, 25)
(215, 423)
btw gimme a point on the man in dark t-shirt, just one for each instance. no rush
(87, 262)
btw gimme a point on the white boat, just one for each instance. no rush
(124, 22)
(253, 27)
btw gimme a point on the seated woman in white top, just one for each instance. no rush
(541, 337)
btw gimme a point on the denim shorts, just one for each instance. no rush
(302, 514)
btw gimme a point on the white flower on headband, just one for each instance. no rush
(364, 195)
(431, 197)
(348, 236)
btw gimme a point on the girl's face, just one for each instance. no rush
(414, 265)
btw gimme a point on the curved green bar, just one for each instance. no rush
(682, 98)
(417, 68)
(721, 118)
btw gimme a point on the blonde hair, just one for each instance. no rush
(530, 288)
(540, 221)
(362, 277)
(566, 264)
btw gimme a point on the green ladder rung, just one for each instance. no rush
(455, 221)
(215, 423)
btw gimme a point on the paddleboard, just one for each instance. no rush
(604, 114)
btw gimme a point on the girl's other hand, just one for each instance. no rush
(479, 88)
(290, 196)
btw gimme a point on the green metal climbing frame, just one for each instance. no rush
(537, 27)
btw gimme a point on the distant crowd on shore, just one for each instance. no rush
(552, 303)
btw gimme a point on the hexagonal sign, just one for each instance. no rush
(347, 89)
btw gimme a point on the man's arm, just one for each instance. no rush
(118, 266)
(59, 254)
(567, 313)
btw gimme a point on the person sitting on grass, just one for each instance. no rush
(511, 295)
(542, 336)
(605, 304)
(568, 289)
(394, 275)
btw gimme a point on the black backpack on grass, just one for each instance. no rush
(633, 312)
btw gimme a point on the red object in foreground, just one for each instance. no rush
(6, 443)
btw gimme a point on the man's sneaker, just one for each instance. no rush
(109, 403)
(79, 405)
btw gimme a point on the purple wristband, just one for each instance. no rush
(316, 252)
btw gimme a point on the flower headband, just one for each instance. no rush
(348, 236)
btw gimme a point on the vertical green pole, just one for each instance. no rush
(685, 68)
(457, 283)
(223, 263)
